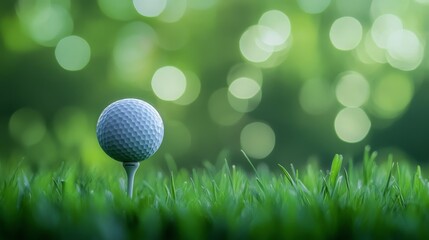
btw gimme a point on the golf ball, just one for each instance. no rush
(130, 130)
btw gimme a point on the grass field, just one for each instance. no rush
(371, 199)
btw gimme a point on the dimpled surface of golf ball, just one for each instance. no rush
(130, 130)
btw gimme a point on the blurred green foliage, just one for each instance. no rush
(282, 80)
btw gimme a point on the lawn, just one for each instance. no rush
(372, 198)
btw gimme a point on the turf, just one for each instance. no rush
(370, 199)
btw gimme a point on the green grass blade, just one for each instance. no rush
(417, 183)
(228, 171)
(368, 165)
(335, 169)
(347, 180)
(386, 187)
(250, 162)
(287, 175)
(325, 188)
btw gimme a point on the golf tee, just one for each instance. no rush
(130, 169)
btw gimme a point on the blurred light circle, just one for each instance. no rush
(374, 52)
(362, 54)
(313, 6)
(150, 8)
(423, 1)
(244, 105)
(249, 72)
(275, 28)
(169, 83)
(315, 96)
(174, 11)
(220, 110)
(245, 70)
(346, 33)
(257, 140)
(379, 7)
(352, 90)
(27, 126)
(244, 88)
(268, 38)
(383, 27)
(251, 46)
(131, 54)
(46, 22)
(192, 91)
(391, 95)
(352, 125)
(405, 52)
(119, 10)
(73, 53)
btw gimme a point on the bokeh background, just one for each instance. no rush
(285, 80)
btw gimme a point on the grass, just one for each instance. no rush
(378, 199)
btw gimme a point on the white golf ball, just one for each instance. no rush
(130, 130)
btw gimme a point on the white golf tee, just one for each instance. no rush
(130, 169)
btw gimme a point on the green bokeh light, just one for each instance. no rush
(296, 66)
(257, 140)
(391, 95)
(73, 53)
(27, 126)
